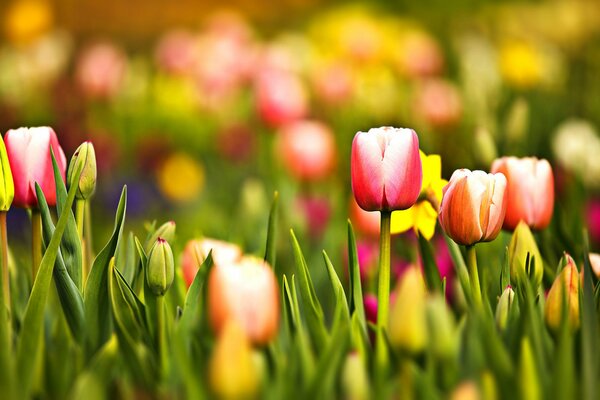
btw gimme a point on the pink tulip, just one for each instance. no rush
(196, 251)
(101, 70)
(247, 292)
(177, 52)
(530, 191)
(473, 206)
(280, 97)
(438, 103)
(28, 152)
(307, 149)
(386, 169)
(420, 56)
(333, 84)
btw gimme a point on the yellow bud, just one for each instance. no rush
(7, 186)
(521, 245)
(86, 155)
(443, 340)
(232, 371)
(355, 380)
(408, 323)
(503, 308)
(564, 291)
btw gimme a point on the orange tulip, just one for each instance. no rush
(196, 251)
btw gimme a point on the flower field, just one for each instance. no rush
(354, 201)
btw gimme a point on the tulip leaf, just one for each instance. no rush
(505, 272)
(338, 289)
(6, 359)
(70, 244)
(461, 268)
(356, 295)
(312, 306)
(289, 316)
(30, 339)
(589, 334)
(96, 298)
(307, 359)
(271, 247)
(430, 268)
(68, 293)
(130, 265)
(192, 308)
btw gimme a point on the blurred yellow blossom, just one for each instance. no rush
(26, 20)
(521, 64)
(422, 217)
(180, 177)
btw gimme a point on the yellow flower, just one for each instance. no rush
(422, 217)
(180, 178)
(521, 64)
(26, 20)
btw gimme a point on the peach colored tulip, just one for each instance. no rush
(280, 97)
(177, 52)
(386, 169)
(530, 191)
(246, 291)
(438, 103)
(28, 152)
(565, 287)
(365, 222)
(473, 206)
(196, 251)
(307, 149)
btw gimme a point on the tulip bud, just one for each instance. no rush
(355, 380)
(233, 372)
(529, 191)
(473, 206)
(504, 306)
(467, 390)
(517, 121)
(28, 151)
(166, 231)
(523, 254)
(408, 323)
(161, 268)
(85, 155)
(246, 291)
(442, 326)
(595, 264)
(486, 148)
(564, 291)
(7, 186)
(386, 169)
(196, 251)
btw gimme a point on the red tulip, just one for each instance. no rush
(307, 149)
(246, 291)
(28, 152)
(530, 191)
(473, 206)
(281, 97)
(196, 251)
(386, 169)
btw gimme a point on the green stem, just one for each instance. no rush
(383, 295)
(5, 272)
(160, 334)
(36, 241)
(79, 216)
(89, 251)
(474, 275)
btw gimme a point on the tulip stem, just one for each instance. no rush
(89, 251)
(80, 213)
(5, 273)
(160, 334)
(36, 241)
(383, 294)
(474, 274)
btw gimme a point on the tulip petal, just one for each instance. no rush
(367, 174)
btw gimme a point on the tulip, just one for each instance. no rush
(529, 191)
(386, 169)
(160, 271)
(420, 56)
(28, 151)
(247, 292)
(177, 52)
(281, 97)
(307, 149)
(564, 292)
(85, 155)
(503, 308)
(196, 251)
(439, 104)
(7, 194)
(355, 380)
(522, 249)
(100, 70)
(595, 264)
(166, 231)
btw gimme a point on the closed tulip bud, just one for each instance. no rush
(233, 373)
(86, 156)
(443, 340)
(408, 321)
(161, 268)
(355, 380)
(529, 191)
(7, 186)
(504, 306)
(524, 257)
(166, 231)
(473, 206)
(307, 149)
(196, 251)
(386, 169)
(246, 291)
(564, 292)
(28, 151)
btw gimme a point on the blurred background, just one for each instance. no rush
(204, 109)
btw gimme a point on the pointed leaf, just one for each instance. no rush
(356, 295)
(271, 247)
(430, 268)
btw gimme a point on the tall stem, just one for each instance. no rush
(160, 334)
(474, 275)
(36, 241)
(5, 273)
(79, 218)
(383, 299)
(89, 251)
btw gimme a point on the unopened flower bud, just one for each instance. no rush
(564, 292)
(408, 322)
(355, 380)
(166, 231)
(504, 306)
(524, 256)
(443, 340)
(161, 267)
(7, 186)
(86, 156)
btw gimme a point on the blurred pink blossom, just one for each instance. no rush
(177, 52)
(281, 97)
(100, 70)
(438, 103)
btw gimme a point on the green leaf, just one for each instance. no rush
(6, 359)
(68, 293)
(430, 268)
(461, 268)
(70, 244)
(505, 272)
(338, 289)
(302, 341)
(28, 344)
(96, 298)
(312, 306)
(356, 295)
(589, 334)
(271, 247)
(193, 301)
